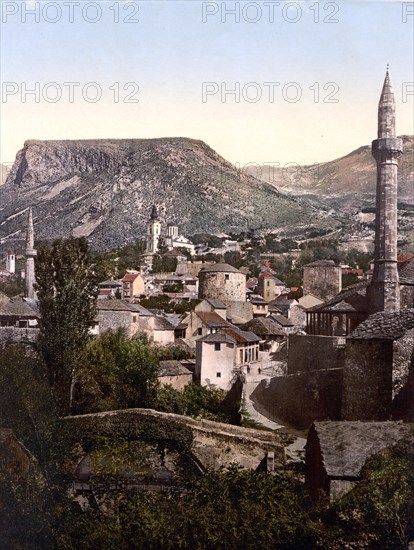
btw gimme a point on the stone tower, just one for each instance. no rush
(30, 257)
(384, 292)
(153, 232)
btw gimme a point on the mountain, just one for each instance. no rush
(348, 182)
(104, 190)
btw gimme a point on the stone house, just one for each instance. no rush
(271, 334)
(337, 451)
(173, 373)
(223, 355)
(18, 313)
(113, 314)
(212, 305)
(113, 286)
(200, 323)
(133, 318)
(133, 285)
(19, 320)
(260, 305)
(286, 325)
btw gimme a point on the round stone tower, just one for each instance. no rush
(222, 282)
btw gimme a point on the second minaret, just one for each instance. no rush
(384, 292)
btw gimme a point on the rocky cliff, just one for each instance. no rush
(104, 190)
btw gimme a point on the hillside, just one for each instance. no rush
(349, 180)
(104, 190)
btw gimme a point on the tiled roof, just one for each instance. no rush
(138, 308)
(129, 277)
(354, 295)
(322, 263)
(263, 326)
(218, 338)
(266, 275)
(346, 446)
(384, 325)
(17, 308)
(406, 272)
(231, 335)
(255, 299)
(241, 336)
(110, 283)
(282, 320)
(112, 305)
(216, 303)
(212, 319)
(162, 324)
(172, 368)
(221, 267)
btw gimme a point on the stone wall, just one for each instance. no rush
(222, 285)
(239, 312)
(311, 353)
(406, 296)
(113, 320)
(299, 399)
(323, 281)
(367, 390)
(402, 358)
(18, 335)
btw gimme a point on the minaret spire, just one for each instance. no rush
(30, 256)
(384, 291)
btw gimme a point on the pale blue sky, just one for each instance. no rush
(170, 52)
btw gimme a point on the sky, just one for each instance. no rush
(259, 81)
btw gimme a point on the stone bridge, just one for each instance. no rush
(214, 444)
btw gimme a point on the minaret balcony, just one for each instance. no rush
(387, 148)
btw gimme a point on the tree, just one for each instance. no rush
(118, 372)
(66, 294)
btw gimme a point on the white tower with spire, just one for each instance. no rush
(31, 254)
(153, 232)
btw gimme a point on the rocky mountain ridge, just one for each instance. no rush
(349, 179)
(104, 190)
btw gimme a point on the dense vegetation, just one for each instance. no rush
(228, 509)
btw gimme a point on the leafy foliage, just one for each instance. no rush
(165, 303)
(229, 509)
(379, 512)
(195, 401)
(163, 264)
(117, 372)
(66, 294)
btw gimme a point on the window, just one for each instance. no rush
(218, 375)
(134, 318)
(200, 331)
(226, 277)
(217, 347)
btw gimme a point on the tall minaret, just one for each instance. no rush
(153, 232)
(384, 292)
(30, 256)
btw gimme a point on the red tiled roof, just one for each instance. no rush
(129, 277)
(212, 318)
(266, 275)
(404, 257)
